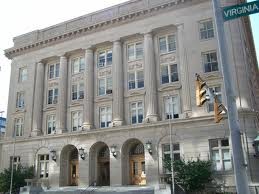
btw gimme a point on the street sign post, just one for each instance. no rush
(244, 9)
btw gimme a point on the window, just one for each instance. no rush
(78, 65)
(220, 154)
(20, 100)
(51, 124)
(206, 29)
(105, 58)
(136, 109)
(105, 86)
(18, 125)
(53, 96)
(78, 91)
(15, 161)
(135, 51)
(53, 71)
(167, 44)
(171, 107)
(76, 121)
(167, 155)
(217, 91)
(210, 61)
(43, 166)
(136, 80)
(169, 73)
(105, 116)
(23, 74)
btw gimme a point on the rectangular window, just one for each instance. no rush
(210, 61)
(77, 121)
(53, 71)
(18, 125)
(169, 73)
(105, 116)
(105, 86)
(78, 91)
(217, 91)
(206, 29)
(137, 112)
(23, 74)
(20, 100)
(51, 124)
(135, 51)
(43, 165)
(171, 107)
(78, 65)
(105, 58)
(167, 44)
(220, 154)
(15, 161)
(53, 96)
(167, 154)
(136, 80)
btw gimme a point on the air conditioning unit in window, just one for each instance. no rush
(101, 64)
(108, 91)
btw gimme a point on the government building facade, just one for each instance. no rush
(92, 100)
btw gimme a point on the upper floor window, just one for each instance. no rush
(77, 121)
(169, 73)
(15, 161)
(167, 154)
(43, 161)
(18, 125)
(105, 58)
(51, 124)
(171, 107)
(20, 100)
(23, 74)
(220, 154)
(136, 79)
(53, 71)
(206, 29)
(53, 96)
(78, 91)
(135, 51)
(167, 44)
(78, 65)
(105, 86)
(137, 112)
(210, 61)
(217, 91)
(105, 116)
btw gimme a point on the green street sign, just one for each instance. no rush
(244, 9)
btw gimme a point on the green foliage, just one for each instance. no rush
(191, 175)
(18, 178)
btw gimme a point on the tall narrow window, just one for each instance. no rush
(210, 61)
(136, 112)
(136, 79)
(167, 44)
(53, 96)
(206, 29)
(23, 74)
(53, 71)
(167, 154)
(78, 91)
(18, 126)
(169, 73)
(15, 161)
(43, 163)
(76, 121)
(171, 107)
(217, 91)
(105, 86)
(105, 116)
(20, 100)
(135, 51)
(78, 65)
(105, 58)
(51, 124)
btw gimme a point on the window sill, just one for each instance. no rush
(20, 110)
(167, 53)
(103, 97)
(77, 73)
(135, 60)
(138, 91)
(172, 86)
(50, 107)
(53, 79)
(212, 75)
(206, 39)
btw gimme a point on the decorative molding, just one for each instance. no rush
(104, 72)
(135, 65)
(168, 58)
(170, 86)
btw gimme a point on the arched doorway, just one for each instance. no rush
(100, 164)
(133, 163)
(69, 166)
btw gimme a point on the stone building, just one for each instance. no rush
(91, 99)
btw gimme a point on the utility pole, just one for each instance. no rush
(234, 126)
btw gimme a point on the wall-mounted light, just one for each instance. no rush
(53, 155)
(113, 150)
(256, 146)
(149, 147)
(82, 153)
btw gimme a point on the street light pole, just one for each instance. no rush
(234, 126)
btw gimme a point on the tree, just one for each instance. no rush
(192, 176)
(18, 178)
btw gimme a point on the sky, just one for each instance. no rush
(21, 16)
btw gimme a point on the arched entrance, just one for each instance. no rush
(69, 166)
(100, 164)
(133, 163)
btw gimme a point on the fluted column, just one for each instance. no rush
(183, 64)
(150, 79)
(62, 96)
(89, 90)
(38, 100)
(117, 84)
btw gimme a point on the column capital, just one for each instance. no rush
(117, 41)
(180, 26)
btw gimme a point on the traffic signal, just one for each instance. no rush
(200, 92)
(218, 109)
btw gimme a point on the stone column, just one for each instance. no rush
(150, 79)
(117, 84)
(38, 100)
(62, 96)
(184, 72)
(89, 90)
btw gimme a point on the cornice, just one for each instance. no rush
(109, 17)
